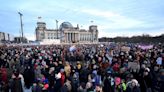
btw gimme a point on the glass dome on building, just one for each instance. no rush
(65, 25)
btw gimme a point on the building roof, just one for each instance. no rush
(50, 30)
(65, 25)
(41, 23)
(83, 30)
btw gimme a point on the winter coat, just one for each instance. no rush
(67, 70)
(75, 84)
(64, 89)
(3, 75)
(57, 85)
(107, 85)
(161, 84)
(16, 85)
(28, 80)
(134, 89)
(36, 88)
(145, 82)
(62, 78)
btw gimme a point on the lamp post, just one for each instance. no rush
(21, 24)
(57, 28)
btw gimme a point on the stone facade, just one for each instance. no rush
(2, 36)
(67, 33)
(6, 37)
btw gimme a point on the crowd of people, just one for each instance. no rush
(82, 68)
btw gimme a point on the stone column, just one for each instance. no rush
(84, 37)
(74, 36)
(69, 36)
(65, 35)
(87, 37)
(77, 37)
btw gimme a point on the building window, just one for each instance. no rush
(42, 34)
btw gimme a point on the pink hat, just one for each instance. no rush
(117, 80)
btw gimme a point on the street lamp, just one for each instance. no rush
(57, 28)
(21, 24)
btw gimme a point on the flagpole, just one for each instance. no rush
(57, 28)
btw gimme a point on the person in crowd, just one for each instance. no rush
(81, 88)
(133, 86)
(36, 87)
(108, 82)
(146, 81)
(67, 87)
(161, 80)
(116, 67)
(17, 82)
(28, 80)
(4, 80)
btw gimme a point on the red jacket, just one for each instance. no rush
(62, 78)
(4, 74)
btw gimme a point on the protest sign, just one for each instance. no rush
(159, 61)
(126, 49)
(145, 47)
(72, 48)
(28, 49)
(133, 65)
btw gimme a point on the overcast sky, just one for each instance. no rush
(113, 17)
